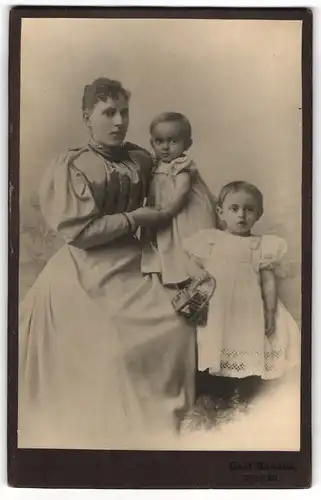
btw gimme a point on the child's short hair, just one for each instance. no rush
(236, 186)
(171, 116)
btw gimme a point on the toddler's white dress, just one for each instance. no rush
(234, 343)
(162, 249)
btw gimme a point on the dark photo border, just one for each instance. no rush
(49, 468)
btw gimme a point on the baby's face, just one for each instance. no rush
(239, 211)
(168, 141)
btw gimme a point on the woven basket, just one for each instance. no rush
(192, 301)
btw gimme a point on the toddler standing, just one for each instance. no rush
(249, 331)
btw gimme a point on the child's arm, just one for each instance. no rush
(269, 295)
(149, 217)
(182, 189)
(160, 217)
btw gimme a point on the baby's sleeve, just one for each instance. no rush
(199, 245)
(272, 250)
(184, 165)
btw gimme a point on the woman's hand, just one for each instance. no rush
(150, 217)
(269, 323)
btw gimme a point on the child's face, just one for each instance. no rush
(168, 141)
(239, 212)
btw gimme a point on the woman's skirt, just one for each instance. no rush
(104, 361)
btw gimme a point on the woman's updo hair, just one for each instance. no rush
(171, 116)
(100, 90)
(235, 186)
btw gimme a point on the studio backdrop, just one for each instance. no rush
(238, 81)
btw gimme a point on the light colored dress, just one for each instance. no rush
(234, 343)
(162, 249)
(103, 358)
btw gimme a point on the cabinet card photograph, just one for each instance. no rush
(157, 169)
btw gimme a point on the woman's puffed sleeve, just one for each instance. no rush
(272, 250)
(68, 205)
(200, 244)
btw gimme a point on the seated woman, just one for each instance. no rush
(103, 358)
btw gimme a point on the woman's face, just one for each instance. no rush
(108, 121)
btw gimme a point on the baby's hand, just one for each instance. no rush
(269, 323)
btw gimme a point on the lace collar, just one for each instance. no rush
(116, 153)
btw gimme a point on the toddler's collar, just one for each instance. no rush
(181, 160)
